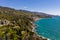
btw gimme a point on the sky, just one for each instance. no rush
(46, 6)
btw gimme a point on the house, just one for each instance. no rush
(4, 22)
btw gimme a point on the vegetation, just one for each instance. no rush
(19, 27)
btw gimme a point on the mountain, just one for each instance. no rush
(17, 24)
(11, 11)
(39, 14)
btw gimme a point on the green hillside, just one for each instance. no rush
(16, 24)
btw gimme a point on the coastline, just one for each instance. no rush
(33, 29)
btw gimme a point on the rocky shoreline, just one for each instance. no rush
(33, 30)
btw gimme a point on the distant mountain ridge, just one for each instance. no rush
(39, 14)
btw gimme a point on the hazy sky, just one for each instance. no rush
(46, 6)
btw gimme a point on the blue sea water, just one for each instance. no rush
(48, 27)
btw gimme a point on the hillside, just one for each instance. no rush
(17, 24)
(38, 14)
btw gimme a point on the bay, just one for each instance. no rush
(48, 27)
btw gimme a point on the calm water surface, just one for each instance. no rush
(49, 28)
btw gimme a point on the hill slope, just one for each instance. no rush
(19, 25)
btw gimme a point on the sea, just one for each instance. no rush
(48, 28)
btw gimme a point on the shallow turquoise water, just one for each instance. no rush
(49, 28)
